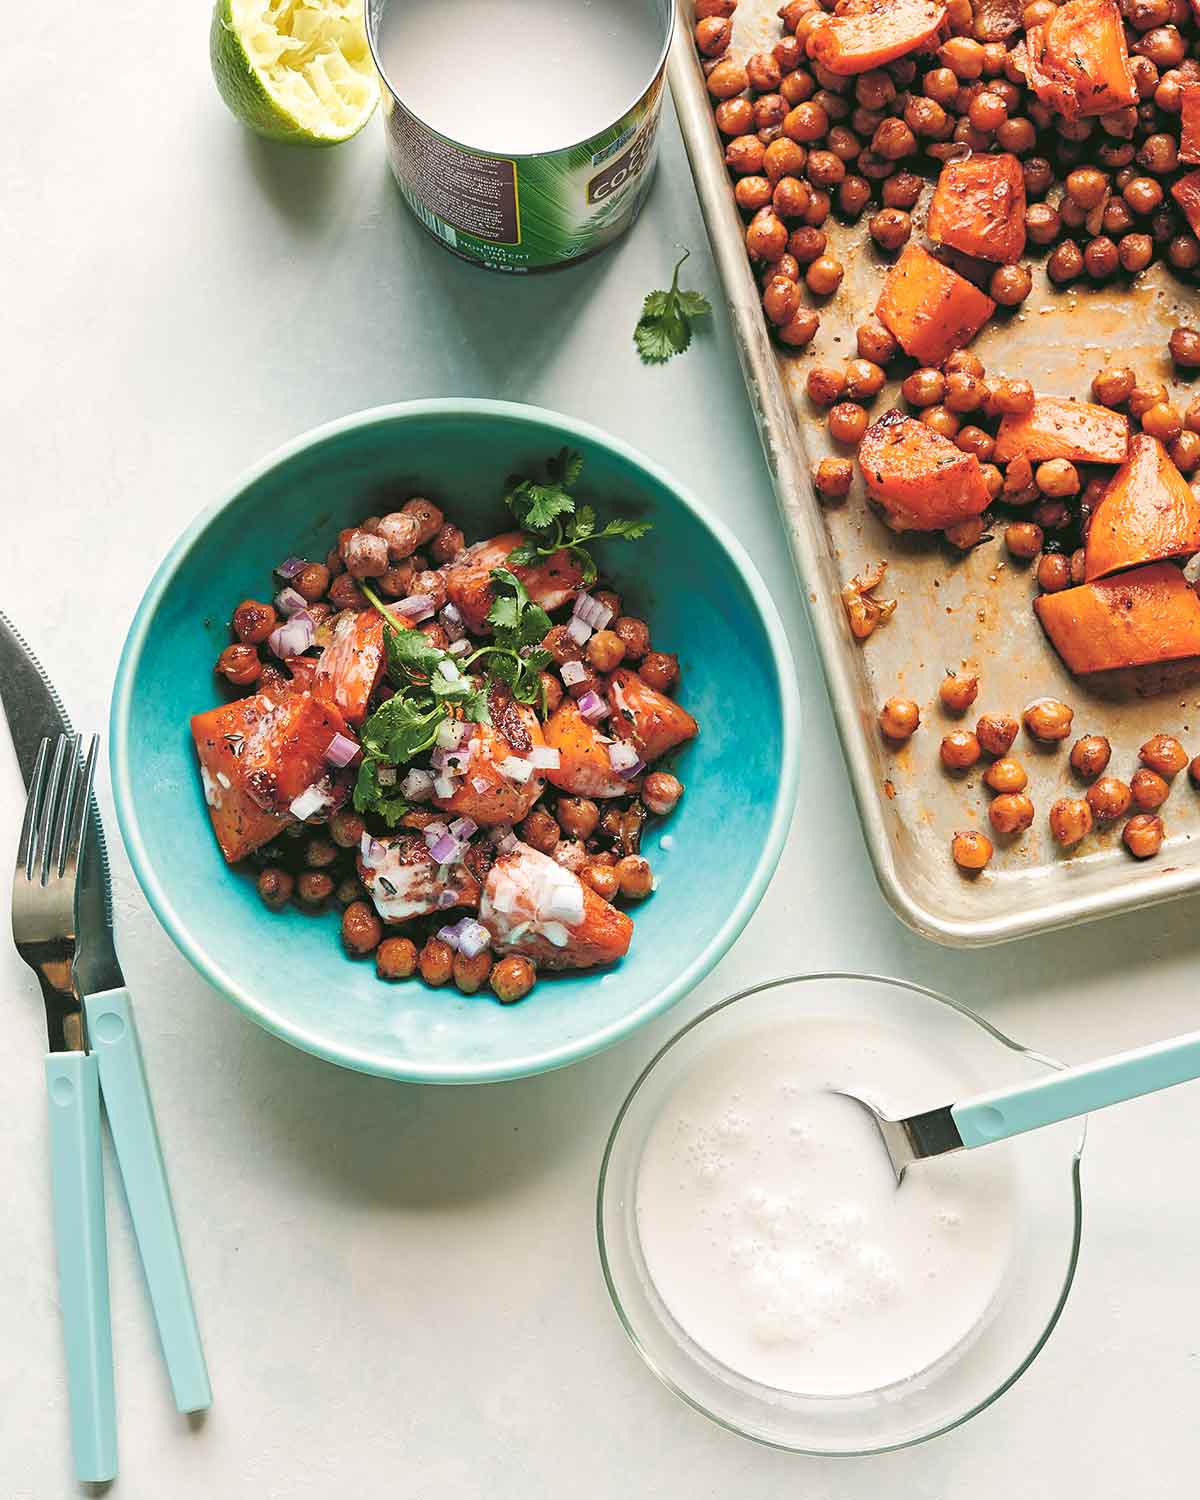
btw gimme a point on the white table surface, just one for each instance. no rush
(398, 1286)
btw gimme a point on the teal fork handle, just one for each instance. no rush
(114, 1040)
(1078, 1091)
(73, 1101)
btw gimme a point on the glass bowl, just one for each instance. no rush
(1046, 1206)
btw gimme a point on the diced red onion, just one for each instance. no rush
(449, 936)
(341, 750)
(292, 639)
(416, 607)
(516, 770)
(386, 776)
(447, 898)
(449, 671)
(473, 937)
(446, 850)
(370, 849)
(445, 786)
(433, 832)
(463, 828)
(451, 733)
(579, 630)
(481, 784)
(592, 707)
(417, 786)
(313, 799)
(290, 602)
(508, 843)
(544, 758)
(290, 567)
(573, 673)
(591, 611)
(458, 648)
(625, 760)
(498, 831)
(452, 623)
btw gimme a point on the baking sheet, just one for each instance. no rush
(954, 610)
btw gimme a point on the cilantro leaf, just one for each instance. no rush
(665, 326)
(516, 657)
(372, 797)
(571, 527)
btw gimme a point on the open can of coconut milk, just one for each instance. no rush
(522, 132)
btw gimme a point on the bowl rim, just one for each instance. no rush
(367, 1060)
(695, 1402)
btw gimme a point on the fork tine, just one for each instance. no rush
(73, 832)
(27, 847)
(66, 808)
(46, 818)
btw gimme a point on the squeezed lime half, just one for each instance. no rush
(295, 70)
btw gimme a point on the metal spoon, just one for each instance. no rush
(1029, 1106)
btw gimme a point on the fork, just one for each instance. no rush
(43, 924)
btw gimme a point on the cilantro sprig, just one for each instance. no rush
(665, 326)
(552, 520)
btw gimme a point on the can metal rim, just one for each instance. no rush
(668, 15)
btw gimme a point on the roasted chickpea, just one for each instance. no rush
(1185, 452)
(1145, 394)
(970, 849)
(1053, 572)
(471, 974)
(864, 380)
(959, 750)
(824, 385)
(801, 330)
(1010, 285)
(240, 664)
(1024, 539)
(1016, 135)
(1194, 771)
(1057, 477)
(1162, 421)
(1070, 820)
(436, 962)
(1047, 719)
(345, 593)
(605, 651)
(512, 979)
(832, 478)
(1183, 252)
(745, 155)
(987, 112)
(660, 792)
(1143, 835)
(314, 887)
(899, 718)
(577, 816)
(1006, 775)
(727, 80)
(1087, 186)
(1065, 263)
(924, 387)
(1109, 798)
(891, 228)
(660, 669)
(902, 190)
(540, 831)
(964, 392)
(996, 733)
(824, 275)
(602, 878)
(847, 422)
(1184, 346)
(975, 440)
(634, 634)
(1113, 385)
(734, 116)
(1163, 753)
(764, 72)
(806, 244)
(320, 853)
(958, 690)
(1101, 258)
(1011, 812)
(766, 234)
(635, 876)
(1090, 755)
(253, 622)
(875, 342)
(752, 193)
(942, 420)
(275, 887)
(806, 122)
(396, 958)
(362, 931)
(1042, 223)
(1149, 789)
(713, 35)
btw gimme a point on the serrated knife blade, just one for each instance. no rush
(34, 712)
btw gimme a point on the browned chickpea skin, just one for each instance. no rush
(635, 634)
(312, 582)
(577, 817)
(512, 979)
(801, 330)
(1143, 835)
(471, 974)
(806, 122)
(959, 750)
(1053, 572)
(1057, 477)
(1109, 798)
(447, 544)
(853, 195)
(975, 440)
(345, 593)
(1010, 285)
(660, 793)
(540, 831)
(1048, 720)
(704, 8)
(1006, 775)
(635, 877)
(781, 300)
(764, 72)
(240, 664)
(824, 385)
(899, 719)
(745, 155)
(1042, 223)
(314, 887)
(847, 422)
(734, 116)
(891, 228)
(1163, 421)
(436, 962)
(1185, 452)
(833, 477)
(1011, 812)
(605, 651)
(1144, 395)
(902, 190)
(362, 931)
(824, 275)
(660, 669)
(783, 158)
(864, 380)
(1023, 539)
(752, 193)
(320, 853)
(1065, 263)
(1113, 385)
(942, 420)
(713, 35)
(875, 342)
(275, 887)
(1070, 820)
(1090, 755)
(253, 622)
(766, 234)
(958, 690)
(396, 958)
(970, 849)
(727, 80)
(964, 392)
(1184, 347)
(602, 878)
(1148, 789)
(924, 387)
(1163, 753)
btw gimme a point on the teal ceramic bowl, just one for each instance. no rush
(713, 856)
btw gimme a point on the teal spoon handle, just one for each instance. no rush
(73, 1102)
(1078, 1091)
(114, 1040)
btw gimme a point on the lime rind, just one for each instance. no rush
(295, 70)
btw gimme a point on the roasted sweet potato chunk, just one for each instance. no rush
(531, 905)
(978, 207)
(1078, 63)
(552, 582)
(862, 34)
(929, 309)
(1189, 109)
(922, 480)
(352, 663)
(487, 793)
(405, 881)
(647, 718)
(1059, 428)
(584, 769)
(1147, 513)
(1186, 192)
(1146, 615)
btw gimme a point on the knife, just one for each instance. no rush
(34, 711)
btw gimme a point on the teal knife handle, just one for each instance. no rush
(1078, 1091)
(73, 1102)
(114, 1041)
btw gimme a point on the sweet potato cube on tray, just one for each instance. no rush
(929, 309)
(863, 34)
(978, 207)
(923, 481)
(1056, 427)
(1146, 513)
(1189, 109)
(1078, 63)
(1132, 620)
(256, 757)
(1186, 192)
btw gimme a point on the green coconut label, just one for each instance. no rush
(525, 213)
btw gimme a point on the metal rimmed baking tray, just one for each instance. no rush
(953, 610)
